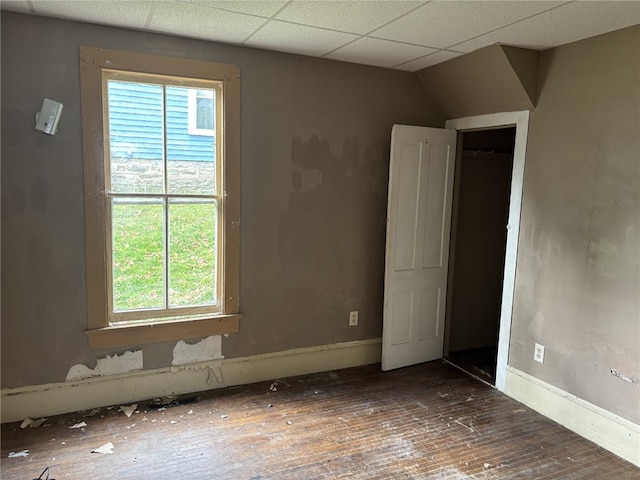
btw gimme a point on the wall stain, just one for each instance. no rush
(332, 233)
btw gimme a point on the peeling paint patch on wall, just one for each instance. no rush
(110, 365)
(207, 349)
(622, 376)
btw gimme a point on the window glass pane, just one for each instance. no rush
(192, 252)
(191, 166)
(138, 253)
(136, 143)
(204, 110)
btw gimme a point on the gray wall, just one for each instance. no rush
(315, 143)
(578, 274)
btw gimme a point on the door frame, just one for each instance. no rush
(519, 120)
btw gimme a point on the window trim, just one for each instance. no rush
(99, 333)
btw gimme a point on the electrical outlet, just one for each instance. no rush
(538, 353)
(353, 318)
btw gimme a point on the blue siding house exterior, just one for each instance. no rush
(136, 124)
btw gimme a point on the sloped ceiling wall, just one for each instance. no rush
(494, 79)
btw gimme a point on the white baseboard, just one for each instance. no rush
(614, 433)
(56, 398)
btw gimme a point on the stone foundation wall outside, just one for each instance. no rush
(145, 176)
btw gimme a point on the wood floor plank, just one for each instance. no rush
(426, 421)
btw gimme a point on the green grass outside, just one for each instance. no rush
(138, 255)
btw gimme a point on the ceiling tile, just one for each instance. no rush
(443, 24)
(318, 27)
(208, 23)
(433, 59)
(352, 16)
(262, 8)
(131, 14)
(289, 37)
(382, 53)
(566, 24)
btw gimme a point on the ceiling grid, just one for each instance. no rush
(400, 34)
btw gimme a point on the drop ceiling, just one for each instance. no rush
(404, 35)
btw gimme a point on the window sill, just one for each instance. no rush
(122, 336)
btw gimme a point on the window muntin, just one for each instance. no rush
(163, 229)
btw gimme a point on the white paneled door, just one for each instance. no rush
(417, 253)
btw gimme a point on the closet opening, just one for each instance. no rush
(482, 189)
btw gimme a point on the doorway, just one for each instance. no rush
(404, 329)
(489, 121)
(478, 246)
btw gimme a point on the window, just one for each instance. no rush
(161, 160)
(201, 112)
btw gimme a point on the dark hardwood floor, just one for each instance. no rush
(426, 421)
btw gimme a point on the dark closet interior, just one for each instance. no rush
(479, 232)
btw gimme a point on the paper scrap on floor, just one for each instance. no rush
(107, 448)
(22, 453)
(128, 409)
(27, 422)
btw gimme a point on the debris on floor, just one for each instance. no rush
(22, 453)
(37, 423)
(273, 387)
(163, 400)
(481, 371)
(46, 470)
(107, 448)
(79, 425)
(168, 401)
(128, 409)
(27, 422)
